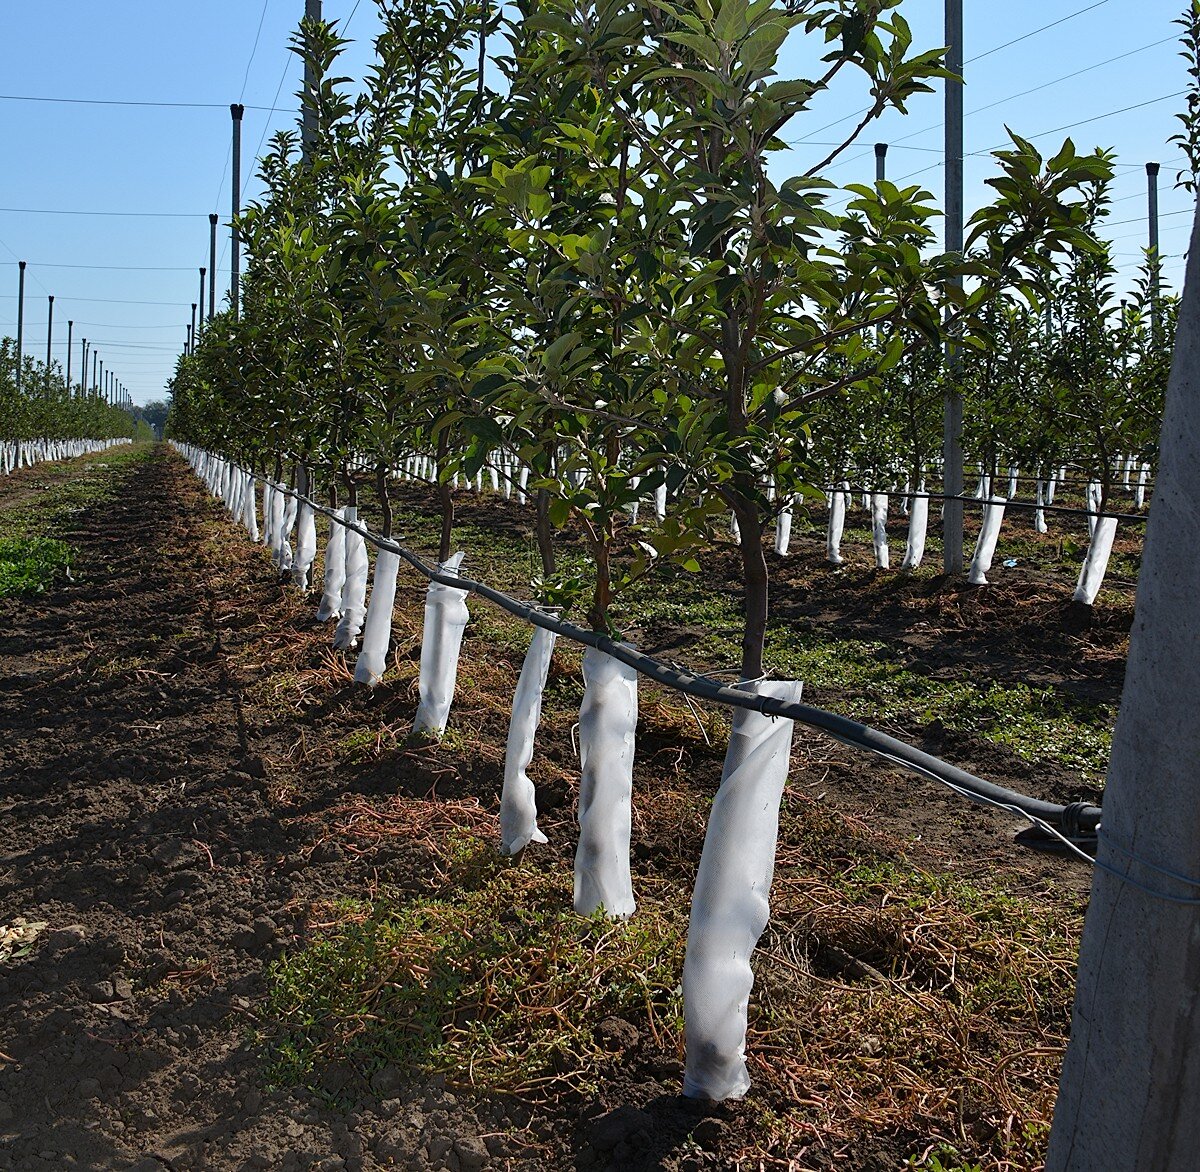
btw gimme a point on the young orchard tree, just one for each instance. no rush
(762, 297)
(412, 263)
(585, 235)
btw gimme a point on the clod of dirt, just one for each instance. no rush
(471, 1153)
(67, 936)
(106, 992)
(709, 1132)
(616, 1034)
(176, 855)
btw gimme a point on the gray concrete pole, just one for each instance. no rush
(192, 332)
(212, 265)
(235, 261)
(20, 320)
(83, 357)
(100, 384)
(70, 347)
(1156, 259)
(308, 117)
(203, 271)
(187, 348)
(952, 517)
(880, 161)
(49, 339)
(95, 386)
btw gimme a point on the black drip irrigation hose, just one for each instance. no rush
(1076, 822)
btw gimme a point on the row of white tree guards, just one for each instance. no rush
(730, 902)
(16, 454)
(508, 475)
(1102, 528)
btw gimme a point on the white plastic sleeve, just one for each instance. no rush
(985, 547)
(783, 530)
(335, 570)
(607, 723)
(879, 539)
(518, 809)
(354, 591)
(837, 523)
(377, 633)
(730, 904)
(918, 525)
(1095, 564)
(306, 545)
(446, 618)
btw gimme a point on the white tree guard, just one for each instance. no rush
(1095, 564)
(1139, 495)
(1013, 476)
(985, 547)
(918, 524)
(731, 901)
(306, 545)
(837, 523)
(522, 481)
(250, 509)
(1039, 514)
(268, 512)
(335, 570)
(879, 539)
(783, 530)
(377, 632)
(518, 809)
(354, 590)
(660, 501)
(446, 618)
(284, 536)
(1051, 485)
(276, 533)
(607, 723)
(734, 528)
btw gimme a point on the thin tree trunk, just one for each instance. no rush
(446, 500)
(755, 582)
(385, 501)
(542, 529)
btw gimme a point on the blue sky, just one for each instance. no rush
(78, 157)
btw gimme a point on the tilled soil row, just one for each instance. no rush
(138, 829)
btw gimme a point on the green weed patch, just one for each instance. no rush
(498, 983)
(28, 565)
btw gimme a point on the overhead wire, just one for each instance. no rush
(88, 212)
(979, 57)
(124, 102)
(1035, 32)
(254, 48)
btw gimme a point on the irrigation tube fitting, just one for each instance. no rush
(1078, 821)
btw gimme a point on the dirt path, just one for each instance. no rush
(136, 828)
